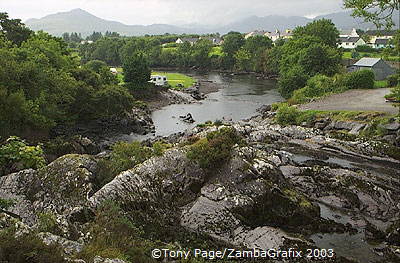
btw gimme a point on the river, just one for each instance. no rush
(239, 98)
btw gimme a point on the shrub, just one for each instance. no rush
(393, 80)
(114, 235)
(365, 48)
(48, 223)
(27, 248)
(16, 155)
(214, 150)
(293, 79)
(361, 79)
(125, 156)
(289, 115)
(317, 86)
(5, 203)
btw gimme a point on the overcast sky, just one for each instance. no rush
(172, 11)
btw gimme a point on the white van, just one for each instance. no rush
(159, 80)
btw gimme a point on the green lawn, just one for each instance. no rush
(216, 51)
(176, 78)
(347, 55)
(380, 84)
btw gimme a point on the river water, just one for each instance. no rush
(239, 98)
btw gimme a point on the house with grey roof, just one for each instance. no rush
(191, 40)
(348, 33)
(379, 43)
(350, 42)
(380, 68)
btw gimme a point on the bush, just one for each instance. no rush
(361, 79)
(214, 150)
(114, 235)
(16, 155)
(27, 248)
(289, 115)
(393, 80)
(317, 86)
(365, 48)
(293, 79)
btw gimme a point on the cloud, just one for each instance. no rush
(172, 11)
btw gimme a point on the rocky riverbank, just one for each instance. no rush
(272, 193)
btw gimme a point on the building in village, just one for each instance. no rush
(190, 40)
(380, 68)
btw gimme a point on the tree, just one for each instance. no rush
(136, 70)
(200, 53)
(13, 29)
(257, 44)
(243, 60)
(379, 12)
(323, 29)
(293, 79)
(233, 41)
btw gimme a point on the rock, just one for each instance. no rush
(320, 125)
(58, 188)
(99, 259)
(393, 126)
(69, 247)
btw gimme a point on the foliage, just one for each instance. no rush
(233, 41)
(27, 248)
(125, 156)
(47, 223)
(112, 100)
(305, 57)
(214, 150)
(365, 48)
(317, 86)
(6, 204)
(393, 80)
(323, 29)
(289, 115)
(361, 79)
(114, 235)
(13, 29)
(377, 11)
(136, 69)
(16, 155)
(291, 80)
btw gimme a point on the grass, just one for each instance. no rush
(216, 51)
(347, 55)
(173, 78)
(381, 84)
(177, 78)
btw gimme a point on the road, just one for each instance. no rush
(355, 100)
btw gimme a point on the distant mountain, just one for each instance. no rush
(269, 23)
(85, 23)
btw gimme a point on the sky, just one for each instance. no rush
(178, 12)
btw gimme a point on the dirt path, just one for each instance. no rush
(355, 100)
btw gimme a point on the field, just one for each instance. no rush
(176, 78)
(347, 55)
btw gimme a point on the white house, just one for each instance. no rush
(114, 71)
(159, 80)
(191, 40)
(348, 33)
(256, 33)
(350, 42)
(274, 36)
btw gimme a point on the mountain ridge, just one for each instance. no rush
(81, 21)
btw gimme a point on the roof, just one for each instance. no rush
(349, 39)
(381, 41)
(367, 62)
(189, 39)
